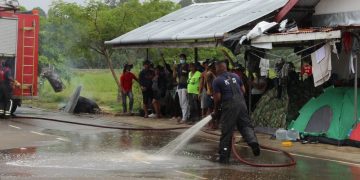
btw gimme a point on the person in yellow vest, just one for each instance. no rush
(193, 93)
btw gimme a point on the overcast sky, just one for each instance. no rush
(44, 4)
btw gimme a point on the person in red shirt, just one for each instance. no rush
(126, 82)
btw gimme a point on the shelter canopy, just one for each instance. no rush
(198, 25)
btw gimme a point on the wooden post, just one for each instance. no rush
(196, 54)
(285, 10)
(147, 54)
(356, 89)
(301, 66)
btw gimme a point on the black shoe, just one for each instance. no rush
(224, 156)
(255, 148)
(223, 160)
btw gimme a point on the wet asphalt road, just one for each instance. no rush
(94, 153)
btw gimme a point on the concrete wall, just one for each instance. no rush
(336, 6)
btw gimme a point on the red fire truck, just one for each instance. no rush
(19, 32)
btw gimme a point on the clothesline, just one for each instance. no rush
(263, 57)
(270, 65)
(295, 53)
(286, 57)
(274, 55)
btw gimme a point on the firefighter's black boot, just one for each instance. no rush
(255, 148)
(2, 113)
(224, 156)
(8, 109)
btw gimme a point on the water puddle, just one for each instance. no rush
(132, 161)
(134, 155)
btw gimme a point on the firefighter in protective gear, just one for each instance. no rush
(228, 93)
(6, 81)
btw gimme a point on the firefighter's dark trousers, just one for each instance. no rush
(234, 114)
(5, 100)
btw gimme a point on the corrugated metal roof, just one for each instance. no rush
(200, 21)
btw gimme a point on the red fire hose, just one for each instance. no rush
(237, 156)
(102, 126)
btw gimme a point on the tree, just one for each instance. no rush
(104, 23)
(75, 35)
(112, 3)
(185, 3)
(42, 13)
(22, 8)
(59, 32)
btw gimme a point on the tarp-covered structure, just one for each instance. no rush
(199, 25)
(333, 115)
(355, 136)
(328, 117)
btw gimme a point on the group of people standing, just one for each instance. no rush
(185, 88)
(194, 89)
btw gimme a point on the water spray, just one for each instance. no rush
(189, 133)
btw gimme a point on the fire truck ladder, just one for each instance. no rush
(26, 85)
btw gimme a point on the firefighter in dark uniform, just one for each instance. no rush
(228, 94)
(6, 81)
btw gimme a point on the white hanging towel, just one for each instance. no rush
(264, 67)
(321, 65)
(351, 64)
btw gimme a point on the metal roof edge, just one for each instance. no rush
(294, 37)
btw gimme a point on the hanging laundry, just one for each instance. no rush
(264, 67)
(258, 30)
(355, 49)
(334, 48)
(356, 45)
(351, 64)
(347, 41)
(306, 69)
(321, 65)
(320, 54)
(285, 71)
